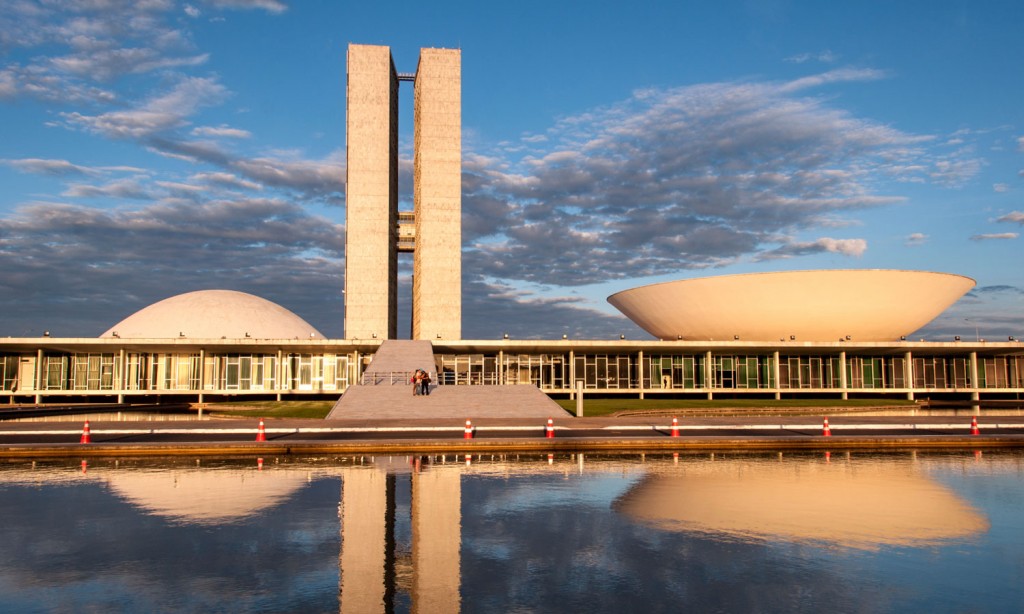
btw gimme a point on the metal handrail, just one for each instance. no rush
(448, 378)
(389, 378)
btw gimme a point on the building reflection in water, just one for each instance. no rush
(863, 505)
(371, 569)
(402, 521)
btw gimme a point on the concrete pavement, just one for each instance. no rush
(238, 436)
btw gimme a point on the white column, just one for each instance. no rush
(777, 371)
(39, 376)
(279, 371)
(640, 372)
(709, 376)
(572, 371)
(842, 374)
(908, 371)
(974, 376)
(202, 373)
(122, 375)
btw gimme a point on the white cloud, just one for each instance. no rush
(122, 188)
(226, 180)
(915, 239)
(840, 75)
(191, 11)
(994, 236)
(32, 82)
(271, 6)
(1013, 217)
(825, 56)
(1000, 187)
(845, 247)
(39, 166)
(107, 64)
(955, 172)
(688, 178)
(222, 131)
(82, 42)
(158, 114)
(8, 86)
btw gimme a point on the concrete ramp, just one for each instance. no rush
(401, 357)
(459, 402)
(384, 392)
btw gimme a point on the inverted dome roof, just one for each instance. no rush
(823, 305)
(213, 314)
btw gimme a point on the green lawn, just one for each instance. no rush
(606, 407)
(591, 407)
(270, 409)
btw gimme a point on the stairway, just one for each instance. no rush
(395, 361)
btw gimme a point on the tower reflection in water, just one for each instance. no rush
(372, 572)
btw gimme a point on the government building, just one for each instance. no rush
(818, 334)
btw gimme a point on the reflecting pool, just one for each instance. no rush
(738, 532)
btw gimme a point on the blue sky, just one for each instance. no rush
(153, 147)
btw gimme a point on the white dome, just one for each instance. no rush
(213, 314)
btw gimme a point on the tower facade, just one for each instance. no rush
(375, 231)
(371, 194)
(437, 196)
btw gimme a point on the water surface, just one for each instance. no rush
(937, 531)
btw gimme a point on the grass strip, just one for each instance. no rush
(269, 409)
(615, 406)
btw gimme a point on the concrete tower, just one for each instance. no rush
(376, 232)
(437, 196)
(371, 194)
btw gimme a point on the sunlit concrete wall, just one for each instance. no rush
(371, 194)
(437, 187)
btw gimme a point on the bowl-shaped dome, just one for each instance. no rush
(866, 305)
(213, 314)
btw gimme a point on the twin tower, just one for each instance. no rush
(376, 231)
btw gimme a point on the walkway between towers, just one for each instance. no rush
(385, 392)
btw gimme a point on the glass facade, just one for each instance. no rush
(1001, 372)
(140, 372)
(9, 371)
(668, 372)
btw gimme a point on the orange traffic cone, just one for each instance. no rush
(825, 430)
(86, 437)
(469, 430)
(261, 433)
(85, 467)
(974, 426)
(469, 460)
(259, 464)
(675, 427)
(549, 432)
